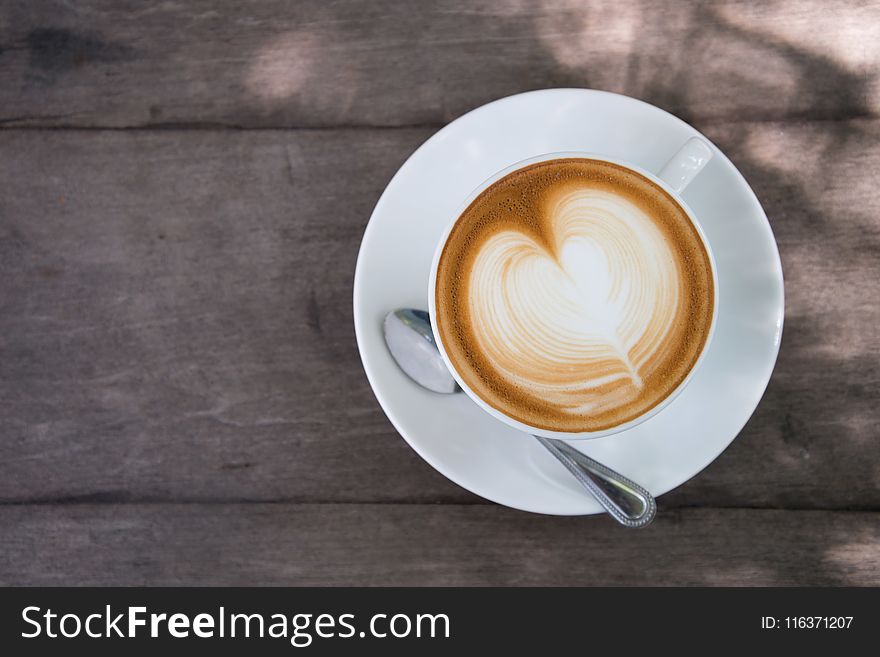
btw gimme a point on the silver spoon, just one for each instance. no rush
(411, 343)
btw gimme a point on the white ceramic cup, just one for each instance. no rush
(677, 174)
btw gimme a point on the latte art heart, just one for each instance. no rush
(592, 311)
(575, 300)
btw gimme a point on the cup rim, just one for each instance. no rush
(563, 435)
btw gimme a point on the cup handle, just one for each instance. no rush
(686, 164)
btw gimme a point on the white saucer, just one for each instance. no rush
(486, 456)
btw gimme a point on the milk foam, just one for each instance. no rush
(563, 323)
(574, 295)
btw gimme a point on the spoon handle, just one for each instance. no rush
(626, 501)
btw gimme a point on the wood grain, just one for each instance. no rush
(385, 62)
(290, 544)
(175, 320)
(177, 309)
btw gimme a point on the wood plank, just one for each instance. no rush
(289, 544)
(175, 320)
(279, 63)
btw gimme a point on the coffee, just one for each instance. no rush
(574, 295)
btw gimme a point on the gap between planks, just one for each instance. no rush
(103, 501)
(9, 124)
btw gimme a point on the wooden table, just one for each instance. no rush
(183, 190)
